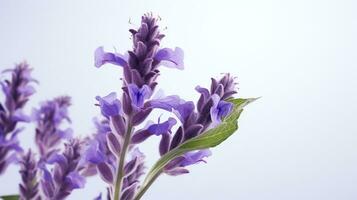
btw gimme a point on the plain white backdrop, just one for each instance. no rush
(297, 142)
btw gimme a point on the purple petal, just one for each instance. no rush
(167, 103)
(219, 110)
(195, 157)
(110, 105)
(102, 58)
(182, 111)
(170, 58)
(203, 92)
(161, 128)
(139, 95)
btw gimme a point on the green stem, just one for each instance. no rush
(121, 162)
(145, 187)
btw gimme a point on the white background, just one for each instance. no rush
(297, 142)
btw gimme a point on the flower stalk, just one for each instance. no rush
(121, 162)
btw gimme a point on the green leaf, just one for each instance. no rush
(10, 197)
(208, 139)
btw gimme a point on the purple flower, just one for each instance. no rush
(219, 109)
(50, 118)
(211, 109)
(138, 95)
(107, 151)
(17, 91)
(29, 185)
(109, 105)
(141, 65)
(65, 176)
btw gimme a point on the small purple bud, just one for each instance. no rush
(117, 125)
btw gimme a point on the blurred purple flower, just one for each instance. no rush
(29, 187)
(65, 176)
(49, 119)
(17, 91)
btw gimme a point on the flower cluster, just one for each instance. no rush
(17, 91)
(49, 117)
(65, 175)
(112, 152)
(140, 72)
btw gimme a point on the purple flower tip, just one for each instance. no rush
(171, 58)
(101, 57)
(219, 109)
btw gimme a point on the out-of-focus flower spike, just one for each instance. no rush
(17, 91)
(65, 174)
(49, 119)
(29, 184)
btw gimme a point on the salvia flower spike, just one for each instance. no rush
(29, 185)
(49, 118)
(17, 91)
(184, 138)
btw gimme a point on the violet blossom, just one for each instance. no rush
(17, 91)
(49, 117)
(112, 152)
(65, 175)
